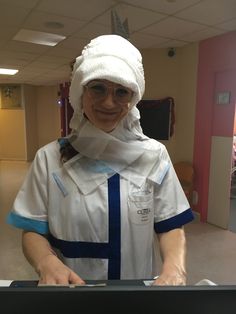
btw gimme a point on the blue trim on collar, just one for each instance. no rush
(110, 250)
(99, 166)
(27, 223)
(63, 141)
(174, 222)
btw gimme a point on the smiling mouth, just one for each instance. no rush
(108, 113)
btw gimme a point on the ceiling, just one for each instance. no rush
(152, 24)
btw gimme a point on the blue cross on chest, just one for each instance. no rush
(110, 250)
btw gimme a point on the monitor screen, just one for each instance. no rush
(155, 118)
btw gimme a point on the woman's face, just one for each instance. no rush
(105, 103)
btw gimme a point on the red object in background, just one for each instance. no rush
(66, 109)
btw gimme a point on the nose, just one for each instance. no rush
(108, 101)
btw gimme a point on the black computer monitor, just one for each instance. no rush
(131, 297)
(155, 117)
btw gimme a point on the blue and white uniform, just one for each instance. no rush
(102, 228)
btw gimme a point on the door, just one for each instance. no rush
(221, 148)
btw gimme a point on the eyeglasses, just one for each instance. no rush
(98, 91)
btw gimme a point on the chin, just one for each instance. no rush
(108, 130)
(106, 127)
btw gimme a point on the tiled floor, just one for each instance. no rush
(211, 251)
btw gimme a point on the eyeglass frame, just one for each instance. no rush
(108, 88)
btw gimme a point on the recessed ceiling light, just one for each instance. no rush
(8, 71)
(40, 38)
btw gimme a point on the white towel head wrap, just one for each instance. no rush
(109, 57)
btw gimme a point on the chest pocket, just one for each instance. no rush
(140, 205)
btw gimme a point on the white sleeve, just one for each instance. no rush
(171, 207)
(29, 210)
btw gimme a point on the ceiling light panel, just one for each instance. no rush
(8, 71)
(40, 38)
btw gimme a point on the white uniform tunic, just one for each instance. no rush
(104, 228)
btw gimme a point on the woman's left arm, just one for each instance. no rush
(173, 253)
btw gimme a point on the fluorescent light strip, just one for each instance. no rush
(8, 71)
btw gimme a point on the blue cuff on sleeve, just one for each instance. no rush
(174, 222)
(27, 223)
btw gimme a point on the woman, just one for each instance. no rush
(94, 203)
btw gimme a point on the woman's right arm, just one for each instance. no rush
(41, 256)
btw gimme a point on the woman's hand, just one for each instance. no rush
(41, 256)
(173, 252)
(170, 279)
(52, 271)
